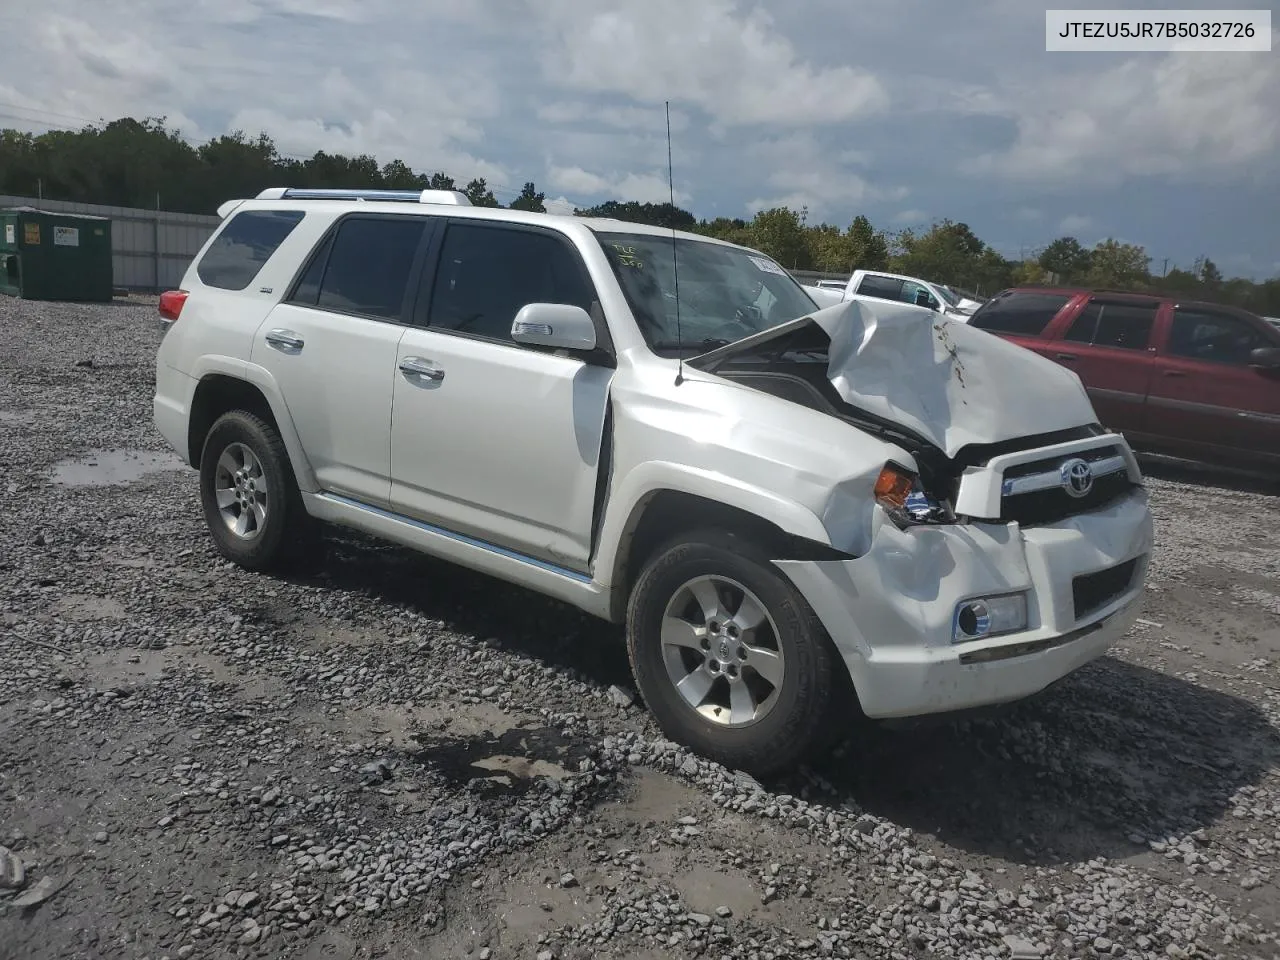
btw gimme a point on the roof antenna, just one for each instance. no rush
(675, 266)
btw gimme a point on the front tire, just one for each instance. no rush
(728, 655)
(250, 498)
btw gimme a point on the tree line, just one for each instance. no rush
(145, 163)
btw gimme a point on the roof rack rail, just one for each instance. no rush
(453, 197)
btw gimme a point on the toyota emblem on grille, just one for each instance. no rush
(1077, 477)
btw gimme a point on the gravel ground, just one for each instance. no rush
(392, 757)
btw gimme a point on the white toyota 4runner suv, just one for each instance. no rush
(782, 504)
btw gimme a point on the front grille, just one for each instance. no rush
(1052, 463)
(1051, 506)
(1093, 591)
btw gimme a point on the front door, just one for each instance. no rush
(331, 347)
(491, 439)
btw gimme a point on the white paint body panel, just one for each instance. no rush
(950, 383)
(337, 390)
(496, 466)
(504, 448)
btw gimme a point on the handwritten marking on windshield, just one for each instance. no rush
(627, 257)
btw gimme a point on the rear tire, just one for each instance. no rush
(758, 698)
(250, 497)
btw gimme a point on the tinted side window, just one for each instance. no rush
(308, 289)
(1201, 335)
(886, 288)
(486, 274)
(911, 291)
(369, 266)
(244, 245)
(1125, 325)
(1085, 324)
(1022, 313)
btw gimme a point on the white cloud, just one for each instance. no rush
(772, 103)
(734, 64)
(643, 187)
(1179, 115)
(559, 205)
(1074, 223)
(804, 173)
(630, 118)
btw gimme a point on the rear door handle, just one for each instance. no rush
(284, 340)
(1174, 373)
(418, 367)
(1066, 356)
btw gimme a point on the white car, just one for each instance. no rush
(876, 285)
(781, 503)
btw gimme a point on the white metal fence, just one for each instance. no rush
(150, 249)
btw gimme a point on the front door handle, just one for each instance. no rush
(417, 367)
(1066, 356)
(1174, 373)
(284, 340)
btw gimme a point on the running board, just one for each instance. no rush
(562, 583)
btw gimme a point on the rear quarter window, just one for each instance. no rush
(246, 243)
(1026, 314)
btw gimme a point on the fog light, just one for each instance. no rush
(990, 617)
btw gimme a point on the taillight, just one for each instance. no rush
(171, 302)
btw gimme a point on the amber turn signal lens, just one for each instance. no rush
(893, 486)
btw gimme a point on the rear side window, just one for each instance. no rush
(1020, 313)
(1123, 325)
(886, 288)
(487, 274)
(1202, 335)
(244, 245)
(368, 266)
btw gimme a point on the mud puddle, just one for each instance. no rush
(508, 762)
(113, 468)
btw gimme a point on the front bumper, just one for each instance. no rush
(891, 611)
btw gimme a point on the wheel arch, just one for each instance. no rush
(663, 512)
(245, 387)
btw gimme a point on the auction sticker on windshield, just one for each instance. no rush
(767, 266)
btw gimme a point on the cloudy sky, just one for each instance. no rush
(906, 110)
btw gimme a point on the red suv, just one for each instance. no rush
(1187, 379)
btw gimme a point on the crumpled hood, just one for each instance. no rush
(943, 380)
(949, 382)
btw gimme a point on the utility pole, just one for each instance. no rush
(155, 243)
(1165, 271)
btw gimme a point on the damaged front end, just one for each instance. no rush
(967, 406)
(1014, 551)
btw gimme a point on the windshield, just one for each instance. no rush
(949, 295)
(726, 293)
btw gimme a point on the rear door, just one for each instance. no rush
(331, 347)
(1206, 400)
(1108, 342)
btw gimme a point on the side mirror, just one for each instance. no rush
(554, 325)
(1268, 358)
(925, 299)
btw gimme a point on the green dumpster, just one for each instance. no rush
(55, 256)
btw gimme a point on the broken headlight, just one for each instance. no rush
(902, 496)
